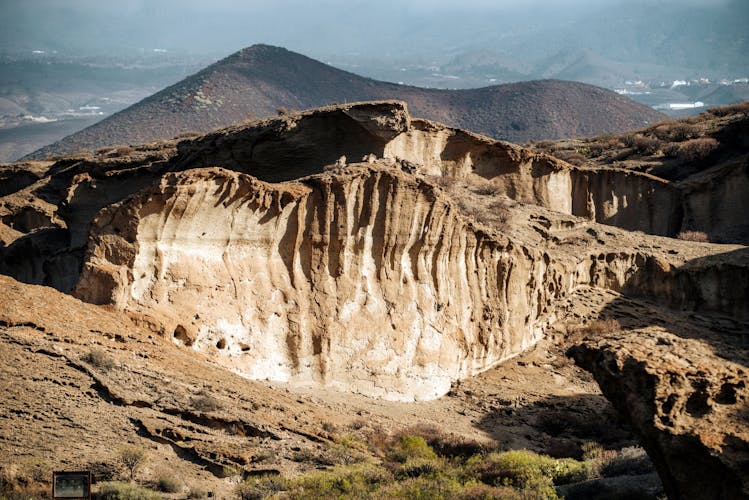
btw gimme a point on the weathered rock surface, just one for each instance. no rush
(366, 276)
(370, 280)
(356, 248)
(689, 407)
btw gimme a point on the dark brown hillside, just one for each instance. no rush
(257, 81)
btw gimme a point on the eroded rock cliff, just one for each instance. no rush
(688, 405)
(369, 280)
(365, 276)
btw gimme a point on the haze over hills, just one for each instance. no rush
(257, 81)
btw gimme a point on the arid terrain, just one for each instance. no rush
(350, 301)
(262, 80)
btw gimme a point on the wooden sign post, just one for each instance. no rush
(71, 485)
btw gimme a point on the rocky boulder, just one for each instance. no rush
(689, 406)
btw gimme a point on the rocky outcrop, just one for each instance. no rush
(299, 145)
(688, 406)
(715, 202)
(74, 189)
(367, 280)
(316, 278)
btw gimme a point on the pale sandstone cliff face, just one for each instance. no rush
(365, 277)
(284, 150)
(716, 202)
(622, 198)
(370, 281)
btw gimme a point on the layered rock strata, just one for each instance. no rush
(369, 280)
(365, 276)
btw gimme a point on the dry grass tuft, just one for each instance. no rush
(697, 236)
(601, 327)
(697, 149)
(731, 109)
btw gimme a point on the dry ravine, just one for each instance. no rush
(248, 284)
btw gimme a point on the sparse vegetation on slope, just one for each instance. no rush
(262, 81)
(671, 149)
(410, 468)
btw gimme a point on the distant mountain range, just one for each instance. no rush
(262, 80)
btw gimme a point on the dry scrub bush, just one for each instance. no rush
(205, 402)
(601, 327)
(671, 150)
(190, 134)
(629, 461)
(260, 487)
(676, 131)
(572, 157)
(731, 109)
(100, 359)
(131, 458)
(168, 484)
(597, 457)
(597, 149)
(697, 149)
(121, 151)
(125, 491)
(646, 145)
(697, 236)
(199, 494)
(26, 479)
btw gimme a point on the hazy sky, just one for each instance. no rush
(380, 27)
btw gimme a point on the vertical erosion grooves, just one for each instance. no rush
(616, 197)
(367, 281)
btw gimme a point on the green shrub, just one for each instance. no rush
(528, 471)
(169, 484)
(423, 488)
(409, 446)
(444, 444)
(418, 467)
(481, 491)
(125, 491)
(352, 481)
(260, 487)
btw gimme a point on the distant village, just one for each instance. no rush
(639, 88)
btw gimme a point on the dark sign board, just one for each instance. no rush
(70, 485)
